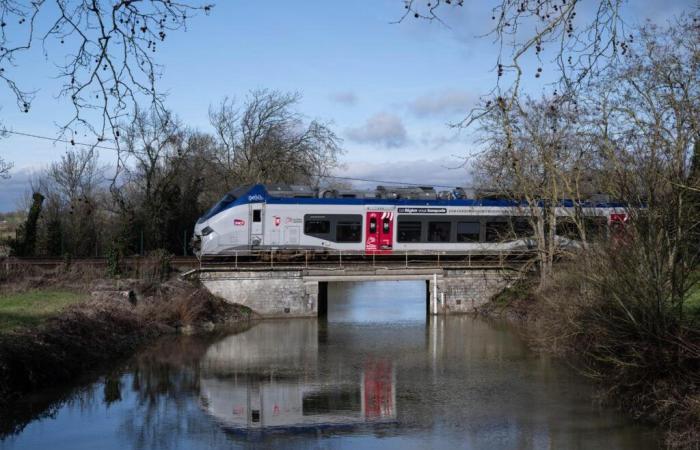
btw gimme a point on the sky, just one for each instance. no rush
(389, 90)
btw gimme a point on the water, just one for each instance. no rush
(376, 374)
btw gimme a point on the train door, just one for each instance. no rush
(379, 232)
(276, 231)
(256, 223)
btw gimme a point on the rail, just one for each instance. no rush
(303, 259)
(309, 259)
(8, 262)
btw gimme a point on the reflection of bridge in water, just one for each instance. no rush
(269, 378)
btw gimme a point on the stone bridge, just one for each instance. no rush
(303, 292)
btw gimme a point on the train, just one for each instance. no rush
(383, 221)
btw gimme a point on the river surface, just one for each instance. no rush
(375, 374)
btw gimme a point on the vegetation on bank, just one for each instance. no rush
(31, 308)
(623, 303)
(111, 323)
(644, 354)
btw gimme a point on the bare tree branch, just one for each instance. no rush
(268, 141)
(547, 29)
(106, 62)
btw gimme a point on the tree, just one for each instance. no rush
(648, 127)
(162, 182)
(535, 155)
(267, 141)
(103, 51)
(25, 242)
(72, 188)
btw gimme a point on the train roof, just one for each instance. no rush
(260, 193)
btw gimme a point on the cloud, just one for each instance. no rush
(347, 98)
(443, 103)
(382, 128)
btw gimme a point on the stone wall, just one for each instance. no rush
(269, 294)
(462, 291)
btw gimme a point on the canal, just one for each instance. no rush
(374, 374)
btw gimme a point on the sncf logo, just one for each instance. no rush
(238, 222)
(256, 198)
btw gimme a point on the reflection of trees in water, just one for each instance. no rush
(165, 382)
(15, 417)
(161, 380)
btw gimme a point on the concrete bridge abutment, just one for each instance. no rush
(304, 293)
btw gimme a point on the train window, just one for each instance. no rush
(348, 232)
(439, 231)
(522, 227)
(373, 225)
(468, 231)
(385, 225)
(496, 231)
(567, 227)
(409, 231)
(256, 215)
(317, 227)
(595, 227)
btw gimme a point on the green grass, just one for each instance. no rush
(31, 308)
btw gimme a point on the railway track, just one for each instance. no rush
(300, 260)
(178, 262)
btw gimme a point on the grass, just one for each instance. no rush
(29, 309)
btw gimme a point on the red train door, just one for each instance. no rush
(379, 234)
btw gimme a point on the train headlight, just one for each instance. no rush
(206, 231)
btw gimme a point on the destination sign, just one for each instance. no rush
(423, 210)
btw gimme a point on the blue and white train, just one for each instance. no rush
(383, 221)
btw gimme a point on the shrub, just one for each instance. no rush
(155, 267)
(614, 311)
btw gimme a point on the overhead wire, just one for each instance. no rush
(104, 147)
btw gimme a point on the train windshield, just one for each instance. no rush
(222, 204)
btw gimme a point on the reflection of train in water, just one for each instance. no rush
(386, 220)
(268, 401)
(267, 378)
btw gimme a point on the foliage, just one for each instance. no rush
(114, 261)
(609, 315)
(25, 242)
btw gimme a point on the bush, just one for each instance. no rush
(114, 261)
(614, 313)
(155, 267)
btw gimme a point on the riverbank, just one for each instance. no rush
(652, 376)
(112, 321)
